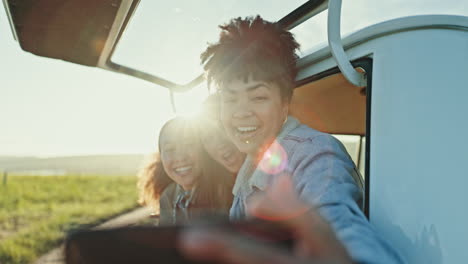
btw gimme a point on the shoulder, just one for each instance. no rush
(305, 140)
(322, 168)
(303, 133)
(166, 205)
(170, 189)
(168, 196)
(311, 152)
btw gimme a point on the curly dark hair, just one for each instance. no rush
(252, 47)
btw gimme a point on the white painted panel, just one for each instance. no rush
(419, 144)
(419, 132)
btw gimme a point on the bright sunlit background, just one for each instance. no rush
(53, 108)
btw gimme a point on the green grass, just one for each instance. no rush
(37, 211)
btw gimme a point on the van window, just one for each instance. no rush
(166, 38)
(327, 102)
(352, 144)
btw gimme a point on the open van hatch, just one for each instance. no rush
(87, 31)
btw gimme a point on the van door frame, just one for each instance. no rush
(366, 64)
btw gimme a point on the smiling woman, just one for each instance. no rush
(253, 65)
(180, 151)
(214, 137)
(253, 112)
(183, 182)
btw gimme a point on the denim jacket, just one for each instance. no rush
(324, 177)
(179, 207)
(175, 205)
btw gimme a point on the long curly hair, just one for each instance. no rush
(214, 185)
(252, 47)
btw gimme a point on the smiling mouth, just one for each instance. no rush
(183, 170)
(245, 133)
(246, 129)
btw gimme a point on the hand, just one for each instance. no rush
(315, 241)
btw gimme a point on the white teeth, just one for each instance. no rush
(183, 169)
(247, 129)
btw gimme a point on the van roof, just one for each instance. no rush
(387, 28)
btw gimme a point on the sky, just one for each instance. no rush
(50, 107)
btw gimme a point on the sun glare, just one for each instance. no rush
(189, 104)
(191, 112)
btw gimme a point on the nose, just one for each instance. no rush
(180, 153)
(242, 114)
(242, 110)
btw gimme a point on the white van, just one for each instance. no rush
(396, 92)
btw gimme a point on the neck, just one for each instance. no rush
(186, 187)
(258, 155)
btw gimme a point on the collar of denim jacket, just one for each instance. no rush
(251, 176)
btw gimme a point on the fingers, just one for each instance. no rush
(206, 245)
(229, 248)
(315, 239)
(314, 236)
(281, 203)
(278, 203)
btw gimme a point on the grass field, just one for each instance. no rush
(36, 211)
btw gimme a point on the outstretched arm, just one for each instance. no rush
(315, 241)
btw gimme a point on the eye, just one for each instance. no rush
(168, 150)
(260, 98)
(168, 147)
(229, 100)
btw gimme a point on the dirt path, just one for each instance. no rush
(55, 256)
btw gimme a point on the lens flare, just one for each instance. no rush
(275, 159)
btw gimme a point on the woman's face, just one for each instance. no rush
(252, 113)
(220, 148)
(179, 154)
